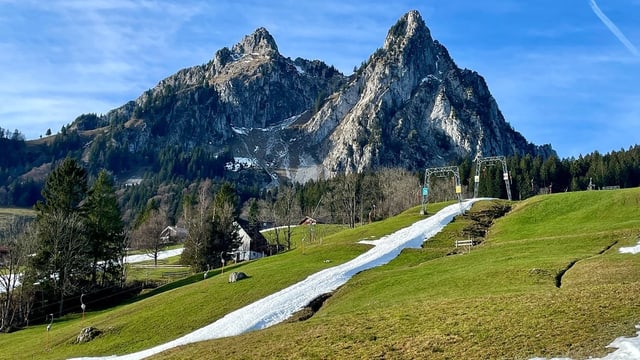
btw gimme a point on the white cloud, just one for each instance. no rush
(62, 58)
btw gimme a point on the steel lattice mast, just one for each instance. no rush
(440, 172)
(491, 160)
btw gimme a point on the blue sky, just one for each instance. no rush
(563, 72)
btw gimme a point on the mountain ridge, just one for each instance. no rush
(408, 105)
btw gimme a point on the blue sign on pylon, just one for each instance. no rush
(425, 191)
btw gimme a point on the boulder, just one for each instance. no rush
(236, 276)
(87, 334)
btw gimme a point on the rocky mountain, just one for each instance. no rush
(408, 105)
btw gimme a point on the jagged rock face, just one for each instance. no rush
(260, 42)
(250, 85)
(409, 105)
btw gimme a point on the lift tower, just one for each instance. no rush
(440, 172)
(491, 160)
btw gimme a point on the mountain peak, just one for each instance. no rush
(413, 17)
(259, 42)
(409, 26)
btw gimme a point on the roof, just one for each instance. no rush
(174, 231)
(308, 220)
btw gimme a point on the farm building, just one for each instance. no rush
(173, 234)
(252, 246)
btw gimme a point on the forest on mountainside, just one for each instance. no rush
(25, 165)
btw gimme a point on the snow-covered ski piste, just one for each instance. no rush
(165, 254)
(279, 306)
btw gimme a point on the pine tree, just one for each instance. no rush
(64, 189)
(63, 261)
(253, 218)
(107, 237)
(223, 236)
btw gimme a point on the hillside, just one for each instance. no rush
(498, 301)
(547, 281)
(8, 214)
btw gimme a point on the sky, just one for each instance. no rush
(565, 73)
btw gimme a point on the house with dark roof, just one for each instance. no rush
(252, 246)
(308, 220)
(173, 234)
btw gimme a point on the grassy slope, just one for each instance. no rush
(6, 215)
(498, 301)
(170, 314)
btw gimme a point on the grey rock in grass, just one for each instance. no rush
(236, 276)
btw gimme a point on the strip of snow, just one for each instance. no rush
(429, 78)
(240, 130)
(630, 250)
(128, 259)
(285, 123)
(277, 227)
(628, 348)
(161, 255)
(279, 306)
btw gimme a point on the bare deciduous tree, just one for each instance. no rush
(400, 190)
(267, 214)
(64, 257)
(346, 197)
(197, 217)
(16, 244)
(146, 237)
(286, 211)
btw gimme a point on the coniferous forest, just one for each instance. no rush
(173, 170)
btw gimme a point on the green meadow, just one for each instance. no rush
(7, 215)
(548, 281)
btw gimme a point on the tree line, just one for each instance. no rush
(531, 176)
(78, 242)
